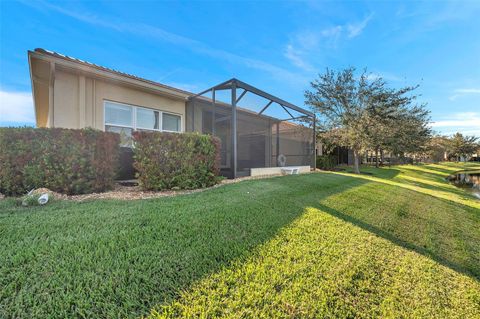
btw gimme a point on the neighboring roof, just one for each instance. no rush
(113, 71)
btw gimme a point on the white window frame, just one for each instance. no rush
(134, 118)
(120, 104)
(169, 113)
(135, 108)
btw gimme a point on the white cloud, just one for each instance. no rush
(350, 30)
(453, 97)
(356, 29)
(465, 123)
(384, 75)
(295, 56)
(185, 86)
(332, 32)
(307, 43)
(461, 92)
(307, 39)
(459, 119)
(457, 123)
(463, 130)
(153, 32)
(16, 107)
(467, 91)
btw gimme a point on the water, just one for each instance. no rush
(468, 180)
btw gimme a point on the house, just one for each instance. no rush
(72, 93)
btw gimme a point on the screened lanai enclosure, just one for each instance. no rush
(256, 129)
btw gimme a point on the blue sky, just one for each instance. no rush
(276, 46)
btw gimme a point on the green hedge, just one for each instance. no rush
(326, 162)
(176, 161)
(63, 160)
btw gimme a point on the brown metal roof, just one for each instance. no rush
(99, 67)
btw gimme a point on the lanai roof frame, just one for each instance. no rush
(234, 84)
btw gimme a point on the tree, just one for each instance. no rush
(462, 146)
(382, 115)
(363, 113)
(436, 148)
(411, 133)
(399, 125)
(342, 99)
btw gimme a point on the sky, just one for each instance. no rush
(277, 46)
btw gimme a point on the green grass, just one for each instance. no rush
(398, 243)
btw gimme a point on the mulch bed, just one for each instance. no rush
(135, 192)
(121, 192)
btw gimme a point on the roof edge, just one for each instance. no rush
(57, 57)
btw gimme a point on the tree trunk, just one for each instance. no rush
(376, 157)
(381, 157)
(356, 164)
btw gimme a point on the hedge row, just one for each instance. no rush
(63, 160)
(85, 161)
(176, 161)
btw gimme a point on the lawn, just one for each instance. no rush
(400, 242)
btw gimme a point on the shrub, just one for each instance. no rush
(171, 160)
(326, 162)
(63, 160)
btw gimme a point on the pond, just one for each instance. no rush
(468, 180)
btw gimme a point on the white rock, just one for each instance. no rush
(42, 200)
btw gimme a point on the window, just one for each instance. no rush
(170, 122)
(124, 119)
(118, 114)
(147, 119)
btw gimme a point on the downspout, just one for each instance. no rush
(277, 144)
(214, 112)
(234, 130)
(51, 95)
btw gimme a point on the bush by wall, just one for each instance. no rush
(171, 160)
(63, 160)
(326, 162)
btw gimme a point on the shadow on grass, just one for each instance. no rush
(421, 181)
(438, 170)
(454, 190)
(472, 271)
(462, 196)
(119, 259)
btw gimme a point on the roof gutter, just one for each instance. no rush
(106, 74)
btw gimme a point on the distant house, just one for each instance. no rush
(72, 93)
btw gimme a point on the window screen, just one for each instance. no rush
(171, 122)
(121, 115)
(124, 119)
(147, 119)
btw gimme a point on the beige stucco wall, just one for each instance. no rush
(40, 89)
(79, 100)
(66, 104)
(117, 93)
